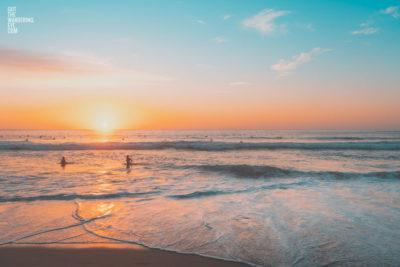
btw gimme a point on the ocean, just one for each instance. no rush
(266, 198)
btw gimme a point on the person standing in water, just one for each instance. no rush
(63, 162)
(128, 161)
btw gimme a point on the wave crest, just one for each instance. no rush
(264, 171)
(244, 170)
(74, 196)
(200, 146)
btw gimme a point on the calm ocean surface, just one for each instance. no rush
(279, 198)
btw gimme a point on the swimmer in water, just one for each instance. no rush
(128, 161)
(63, 162)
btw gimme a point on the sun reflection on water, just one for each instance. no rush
(105, 208)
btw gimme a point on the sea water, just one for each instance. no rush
(267, 198)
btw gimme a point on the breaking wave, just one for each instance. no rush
(235, 171)
(200, 146)
(246, 171)
(210, 193)
(264, 171)
(353, 138)
(74, 196)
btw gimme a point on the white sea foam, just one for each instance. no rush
(266, 198)
(199, 146)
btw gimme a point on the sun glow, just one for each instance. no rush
(104, 124)
(104, 117)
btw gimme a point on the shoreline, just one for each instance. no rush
(101, 254)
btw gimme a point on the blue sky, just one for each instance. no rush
(247, 52)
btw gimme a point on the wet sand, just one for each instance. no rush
(100, 255)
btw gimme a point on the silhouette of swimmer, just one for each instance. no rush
(129, 162)
(63, 162)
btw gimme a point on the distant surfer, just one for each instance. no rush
(129, 162)
(63, 162)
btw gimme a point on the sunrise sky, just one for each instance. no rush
(201, 65)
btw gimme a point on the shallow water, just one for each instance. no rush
(279, 198)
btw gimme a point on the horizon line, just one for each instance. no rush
(208, 129)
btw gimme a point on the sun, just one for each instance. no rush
(104, 117)
(104, 125)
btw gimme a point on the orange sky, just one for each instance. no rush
(78, 91)
(122, 114)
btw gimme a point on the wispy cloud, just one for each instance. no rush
(27, 61)
(35, 68)
(392, 10)
(239, 83)
(220, 40)
(85, 59)
(227, 16)
(366, 28)
(264, 21)
(286, 67)
(304, 26)
(201, 21)
(366, 31)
